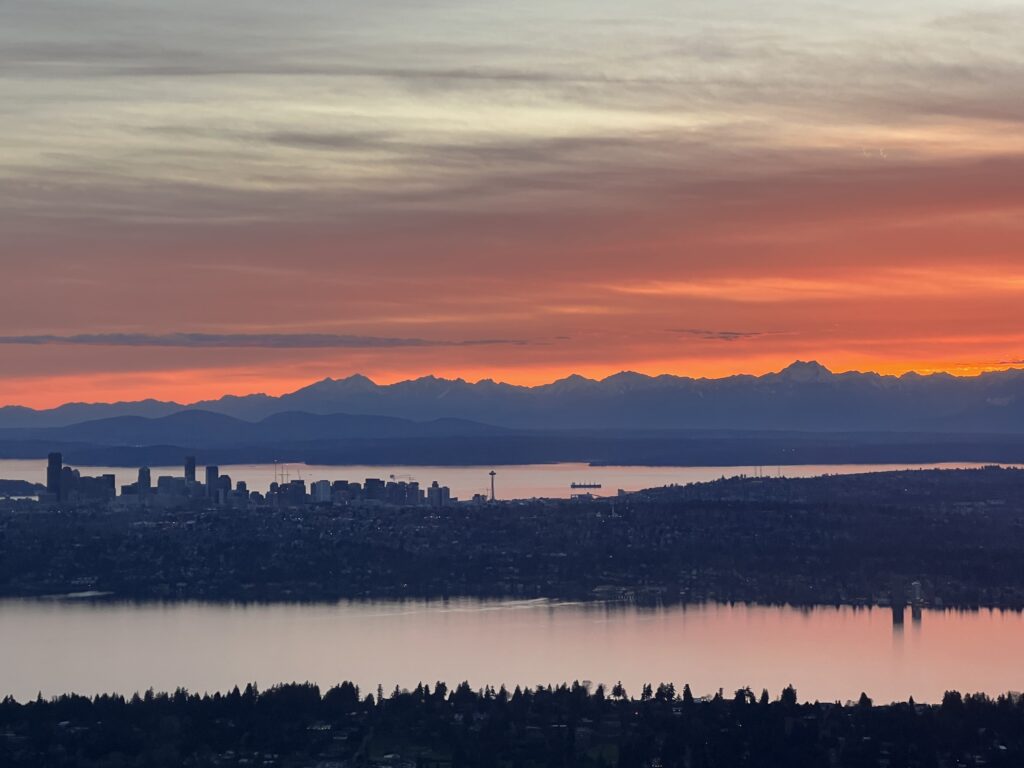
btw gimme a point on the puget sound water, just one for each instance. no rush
(512, 482)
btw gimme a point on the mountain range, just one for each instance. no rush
(805, 396)
(204, 429)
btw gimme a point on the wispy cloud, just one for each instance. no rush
(257, 340)
(890, 283)
(711, 335)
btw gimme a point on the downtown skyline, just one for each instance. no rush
(245, 197)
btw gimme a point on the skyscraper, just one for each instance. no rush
(68, 481)
(438, 495)
(212, 476)
(321, 492)
(190, 470)
(54, 464)
(145, 481)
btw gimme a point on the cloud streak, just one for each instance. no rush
(710, 335)
(245, 340)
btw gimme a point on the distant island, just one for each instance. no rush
(941, 538)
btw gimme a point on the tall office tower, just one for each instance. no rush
(68, 482)
(54, 464)
(145, 481)
(438, 495)
(321, 492)
(212, 476)
(190, 470)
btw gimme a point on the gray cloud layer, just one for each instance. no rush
(368, 104)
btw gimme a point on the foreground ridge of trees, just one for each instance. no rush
(296, 725)
(854, 539)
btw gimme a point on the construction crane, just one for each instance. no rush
(281, 474)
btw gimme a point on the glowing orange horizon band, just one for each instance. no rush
(187, 386)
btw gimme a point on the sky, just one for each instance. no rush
(199, 198)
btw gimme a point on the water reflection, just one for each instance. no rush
(827, 653)
(897, 617)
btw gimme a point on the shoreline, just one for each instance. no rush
(108, 598)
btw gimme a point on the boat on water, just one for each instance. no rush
(577, 486)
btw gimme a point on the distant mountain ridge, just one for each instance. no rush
(805, 396)
(204, 429)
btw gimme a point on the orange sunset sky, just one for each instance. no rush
(248, 196)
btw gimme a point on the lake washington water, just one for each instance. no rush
(512, 482)
(53, 646)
